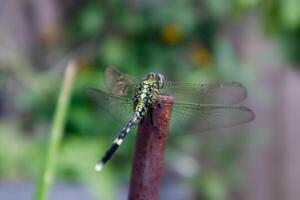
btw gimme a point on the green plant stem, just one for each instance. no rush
(47, 175)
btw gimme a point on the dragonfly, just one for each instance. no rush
(212, 105)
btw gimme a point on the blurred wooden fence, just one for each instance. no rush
(273, 168)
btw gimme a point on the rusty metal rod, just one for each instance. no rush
(149, 152)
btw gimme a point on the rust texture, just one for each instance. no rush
(149, 152)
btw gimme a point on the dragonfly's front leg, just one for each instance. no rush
(157, 105)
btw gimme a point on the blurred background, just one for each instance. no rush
(254, 42)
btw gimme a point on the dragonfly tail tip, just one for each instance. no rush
(99, 167)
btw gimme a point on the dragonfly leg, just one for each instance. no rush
(153, 121)
(158, 105)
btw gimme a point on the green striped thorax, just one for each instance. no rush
(146, 92)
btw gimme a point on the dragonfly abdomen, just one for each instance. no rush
(117, 142)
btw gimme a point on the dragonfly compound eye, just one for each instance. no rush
(160, 80)
(149, 76)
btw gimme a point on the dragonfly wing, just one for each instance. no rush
(118, 107)
(118, 83)
(208, 117)
(219, 93)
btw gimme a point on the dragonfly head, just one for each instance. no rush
(156, 77)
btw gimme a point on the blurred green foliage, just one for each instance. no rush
(177, 38)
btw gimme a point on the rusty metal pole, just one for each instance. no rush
(149, 152)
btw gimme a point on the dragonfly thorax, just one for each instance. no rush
(146, 92)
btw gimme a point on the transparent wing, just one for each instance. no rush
(119, 84)
(205, 116)
(219, 93)
(208, 117)
(118, 107)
